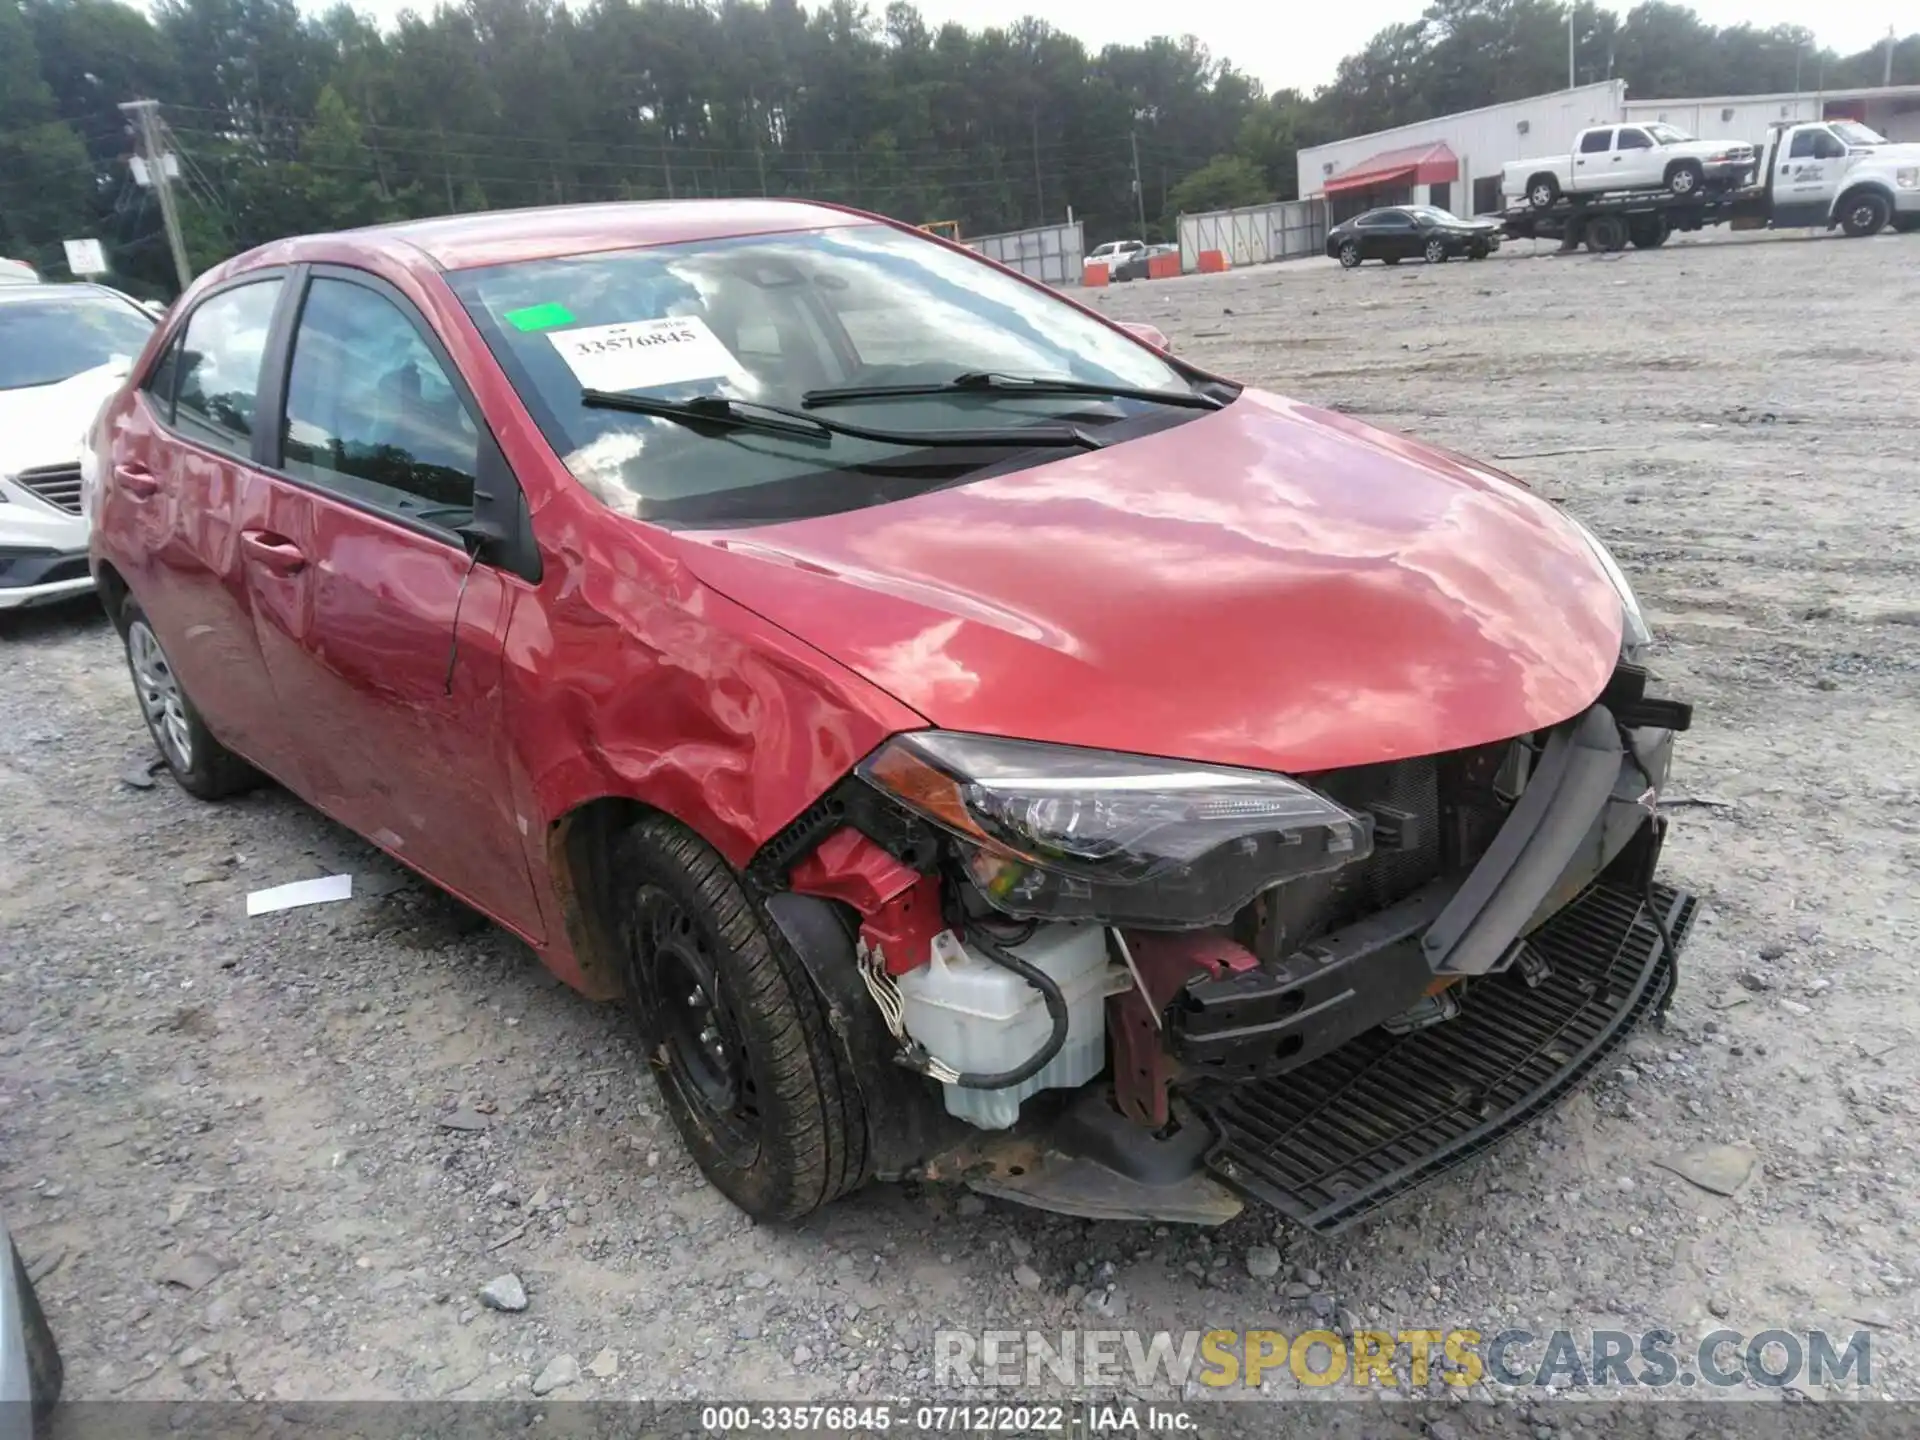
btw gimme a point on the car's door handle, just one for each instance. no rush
(136, 480)
(273, 552)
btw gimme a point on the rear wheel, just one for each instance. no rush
(1685, 177)
(1606, 233)
(1542, 191)
(45, 1373)
(1349, 255)
(201, 764)
(1650, 232)
(734, 1031)
(1436, 251)
(1865, 213)
(1906, 224)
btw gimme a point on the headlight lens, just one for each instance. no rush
(1907, 177)
(1635, 635)
(1058, 832)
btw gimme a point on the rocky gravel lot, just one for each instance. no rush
(370, 1150)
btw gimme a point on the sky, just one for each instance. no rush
(1299, 45)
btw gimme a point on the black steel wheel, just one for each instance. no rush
(1865, 213)
(734, 1031)
(1606, 233)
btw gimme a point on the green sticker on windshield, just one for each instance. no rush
(539, 317)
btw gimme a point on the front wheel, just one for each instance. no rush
(1349, 256)
(1906, 224)
(1686, 178)
(734, 1031)
(1436, 252)
(1542, 191)
(1864, 214)
(203, 766)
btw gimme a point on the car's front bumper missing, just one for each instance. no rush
(1392, 1049)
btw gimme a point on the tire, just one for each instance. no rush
(1606, 233)
(45, 1372)
(1478, 252)
(202, 766)
(733, 1030)
(1349, 255)
(1864, 213)
(1436, 251)
(1906, 224)
(1686, 177)
(1542, 191)
(1650, 232)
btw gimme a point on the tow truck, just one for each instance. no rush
(1832, 174)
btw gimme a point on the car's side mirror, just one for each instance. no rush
(1151, 334)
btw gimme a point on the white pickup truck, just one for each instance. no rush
(1839, 173)
(1630, 157)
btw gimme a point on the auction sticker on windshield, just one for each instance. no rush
(644, 354)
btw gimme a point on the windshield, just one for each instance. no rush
(770, 318)
(1667, 135)
(1856, 134)
(48, 339)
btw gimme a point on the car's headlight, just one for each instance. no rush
(1907, 177)
(1058, 832)
(1635, 635)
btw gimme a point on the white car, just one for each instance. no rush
(63, 350)
(1629, 157)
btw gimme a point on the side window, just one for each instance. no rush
(1803, 145)
(1827, 146)
(217, 379)
(371, 413)
(1635, 140)
(1596, 142)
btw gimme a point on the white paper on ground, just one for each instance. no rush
(643, 354)
(300, 892)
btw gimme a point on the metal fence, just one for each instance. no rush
(1255, 234)
(1050, 253)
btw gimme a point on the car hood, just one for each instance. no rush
(45, 424)
(1266, 585)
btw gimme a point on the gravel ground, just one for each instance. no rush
(281, 1157)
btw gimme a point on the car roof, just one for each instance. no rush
(49, 290)
(494, 237)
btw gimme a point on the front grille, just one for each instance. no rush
(56, 484)
(1336, 1139)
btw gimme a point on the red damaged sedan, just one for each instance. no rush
(975, 743)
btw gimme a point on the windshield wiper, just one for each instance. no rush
(727, 413)
(984, 382)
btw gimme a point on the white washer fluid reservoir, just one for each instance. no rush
(981, 1018)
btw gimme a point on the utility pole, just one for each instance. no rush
(1886, 72)
(146, 119)
(1571, 12)
(1039, 190)
(1139, 195)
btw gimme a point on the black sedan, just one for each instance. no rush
(1406, 232)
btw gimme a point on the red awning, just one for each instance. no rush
(1430, 164)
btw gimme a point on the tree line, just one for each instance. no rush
(282, 122)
